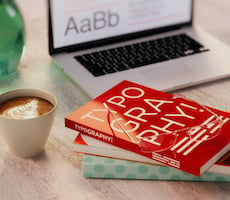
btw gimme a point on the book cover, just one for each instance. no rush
(167, 128)
(109, 168)
(88, 145)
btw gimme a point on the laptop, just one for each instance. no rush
(154, 43)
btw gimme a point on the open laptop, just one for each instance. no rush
(150, 42)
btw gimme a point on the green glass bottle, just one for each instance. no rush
(12, 38)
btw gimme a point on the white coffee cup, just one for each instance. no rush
(27, 137)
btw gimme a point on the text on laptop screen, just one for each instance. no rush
(79, 21)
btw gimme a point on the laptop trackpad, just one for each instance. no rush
(170, 74)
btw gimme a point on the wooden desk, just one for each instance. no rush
(56, 173)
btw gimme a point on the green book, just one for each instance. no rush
(110, 168)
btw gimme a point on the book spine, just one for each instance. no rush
(100, 135)
(110, 168)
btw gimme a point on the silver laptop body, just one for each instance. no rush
(72, 25)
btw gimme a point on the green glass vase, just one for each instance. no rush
(12, 38)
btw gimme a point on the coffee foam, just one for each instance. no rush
(26, 111)
(30, 107)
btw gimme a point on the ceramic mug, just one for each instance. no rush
(27, 136)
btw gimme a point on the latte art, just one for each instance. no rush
(26, 111)
(25, 107)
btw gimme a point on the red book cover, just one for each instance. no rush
(170, 129)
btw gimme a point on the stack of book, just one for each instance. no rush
(135, 132)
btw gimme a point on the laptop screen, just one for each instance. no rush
(75, 23)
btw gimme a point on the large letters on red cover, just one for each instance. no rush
(168, 128)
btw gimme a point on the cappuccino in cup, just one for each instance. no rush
(26, 118)
(25, 107)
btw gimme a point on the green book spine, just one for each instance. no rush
(110, 168)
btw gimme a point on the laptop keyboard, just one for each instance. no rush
(139, 54)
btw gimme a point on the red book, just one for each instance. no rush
(170, 129)
(87, 145)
